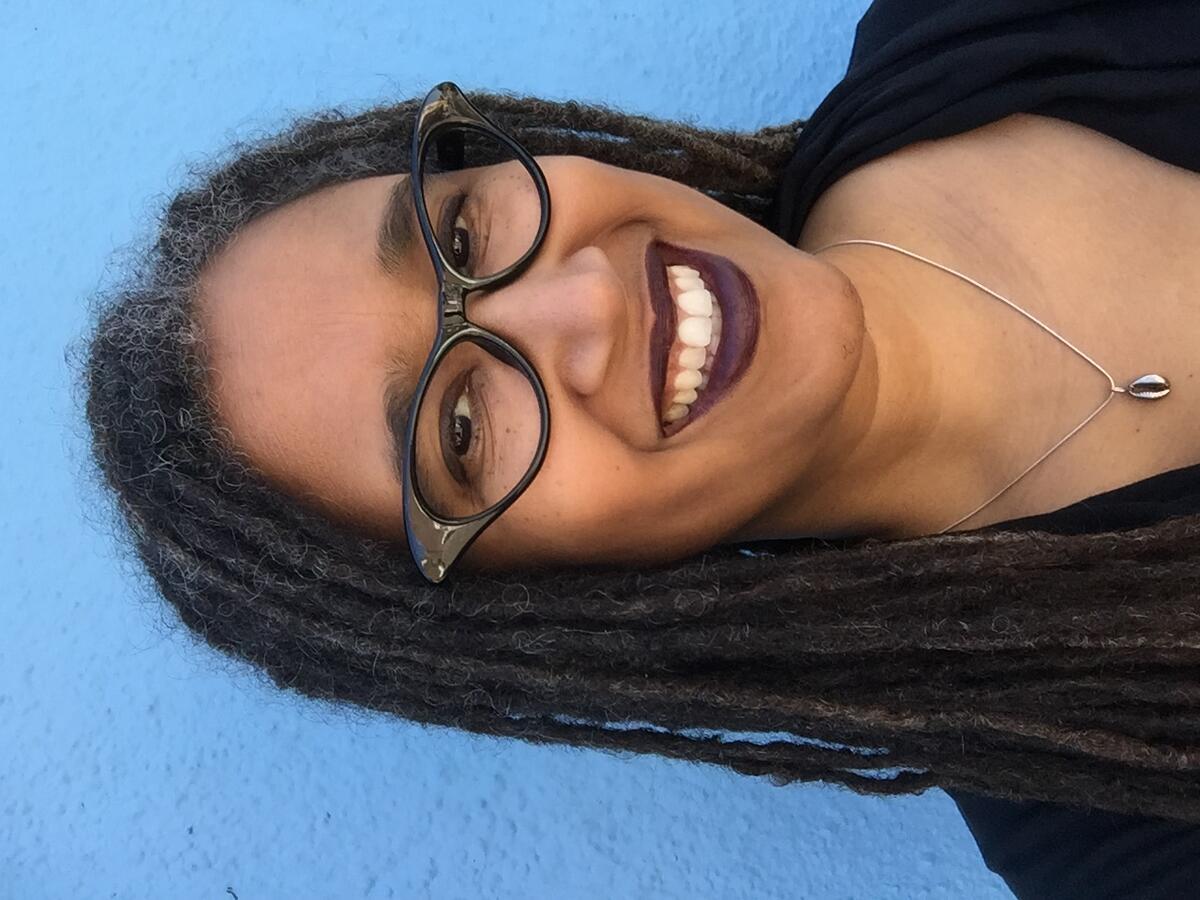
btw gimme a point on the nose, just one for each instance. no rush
(564, 315)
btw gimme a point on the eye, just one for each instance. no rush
(461, 426)
(455, 238)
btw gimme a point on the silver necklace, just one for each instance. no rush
(1145, 387)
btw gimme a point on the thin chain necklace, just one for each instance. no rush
(1145, 387)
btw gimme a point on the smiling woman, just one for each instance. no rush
(316, 337)
(246, 390)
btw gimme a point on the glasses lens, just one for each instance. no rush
(481, 199)
(477, 430)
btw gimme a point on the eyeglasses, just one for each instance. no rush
(471, 444)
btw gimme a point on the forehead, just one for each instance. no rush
(303, 328)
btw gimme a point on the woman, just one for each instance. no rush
(933, 598)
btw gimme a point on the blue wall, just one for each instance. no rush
(139, 764)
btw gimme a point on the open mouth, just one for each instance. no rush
(705, 331)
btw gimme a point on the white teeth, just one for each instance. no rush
(696, 303)
(695, 331)
(699, 327)
(688, 283)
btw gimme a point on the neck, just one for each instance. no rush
(926, 432)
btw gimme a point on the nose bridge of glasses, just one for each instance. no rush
(498, 307)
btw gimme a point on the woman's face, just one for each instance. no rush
(310, 332)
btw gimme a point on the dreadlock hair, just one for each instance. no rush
(1014, 664)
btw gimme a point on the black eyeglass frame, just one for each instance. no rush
(436, 542)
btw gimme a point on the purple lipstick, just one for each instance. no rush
(705, 331)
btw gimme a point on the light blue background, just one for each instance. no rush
(138, 763)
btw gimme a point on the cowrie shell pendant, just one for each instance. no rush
(1149, 387)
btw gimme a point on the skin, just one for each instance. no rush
(844, 422)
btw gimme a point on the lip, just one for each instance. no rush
(739, 323)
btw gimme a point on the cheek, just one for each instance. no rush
(563, 516)
(599, 507)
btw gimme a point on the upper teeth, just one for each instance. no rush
(695, 344)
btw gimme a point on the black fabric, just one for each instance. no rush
(1049, 850)
(924, 69)
(1173, 493)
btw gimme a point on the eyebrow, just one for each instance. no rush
(395, 241)
(398, 229)
(396, 401)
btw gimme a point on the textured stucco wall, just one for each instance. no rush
(137, 764)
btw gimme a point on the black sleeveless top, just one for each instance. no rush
(923, 69)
